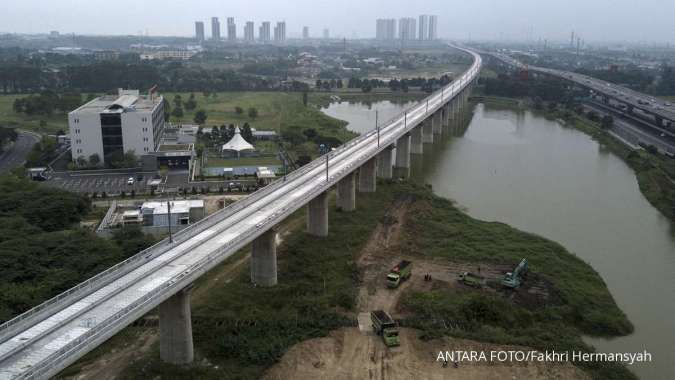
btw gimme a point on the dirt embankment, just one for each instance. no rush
(357, 353)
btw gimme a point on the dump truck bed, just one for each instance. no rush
(382, 317)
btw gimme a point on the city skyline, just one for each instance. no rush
(522, 19)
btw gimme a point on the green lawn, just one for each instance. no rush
(9, 118)
(276, 110)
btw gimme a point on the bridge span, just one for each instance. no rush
(46, 339)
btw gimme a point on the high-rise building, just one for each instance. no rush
(264, 33)
(433, 27)
(231, 29)
(215, 29)
(424, 28)
(280, 31)
(407, 28)
(379, 29)
(199, 31)
(305, 32)
(248, 32)
(386, 29)
(326, 34)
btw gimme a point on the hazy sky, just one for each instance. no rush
(594, 20)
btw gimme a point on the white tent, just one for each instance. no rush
(237, 143)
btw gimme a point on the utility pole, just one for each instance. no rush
(168, 206)
(405, 120)
(377, 127)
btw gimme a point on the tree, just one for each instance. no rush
(304, 98)
(310, 133)
(94, 160)
(238, 110)
(81, 162)
(200, 117)
(607, 122)
(191, 104)
(318, 84)
(178, 101)
(246, 132)
(167, 110)
(177, 113)
(303, 160)
(253, 113)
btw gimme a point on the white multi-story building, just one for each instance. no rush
(433, 28)
(248, 31)
(385, 29)
(117, 124)
(231, 29)
(424, 28)
(264, 33)
(406, 29)
(280, 32)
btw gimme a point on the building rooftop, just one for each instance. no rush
(177, 207)
(125, 101)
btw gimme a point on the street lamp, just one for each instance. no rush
(323, 149)
(168, 207)
(378, 129)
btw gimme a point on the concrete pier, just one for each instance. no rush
(317, 215)
(427, 132)
(446, 115)
(384, 164)
(175, 329)
(403, 152)
(416, 145)
(346, 193)
(264, 259)
(368, 176)
(437, 123)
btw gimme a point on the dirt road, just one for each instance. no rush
(357, 353)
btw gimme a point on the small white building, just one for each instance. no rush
(264, 175)
(182, 212)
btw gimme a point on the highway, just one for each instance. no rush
(16, 155)
(632, 133)
(48, 338)
(646, 103)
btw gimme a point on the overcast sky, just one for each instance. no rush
(594, 20)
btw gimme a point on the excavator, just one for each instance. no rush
(513, 279)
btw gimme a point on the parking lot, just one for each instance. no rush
(111, 183)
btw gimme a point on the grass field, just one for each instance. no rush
(50, 124)
(276, 111)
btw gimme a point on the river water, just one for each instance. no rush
(539, 176)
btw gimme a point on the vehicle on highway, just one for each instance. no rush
(139, 177)
(130, 181)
